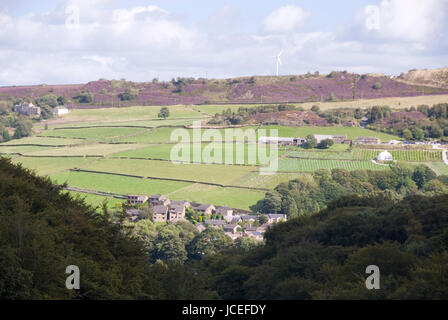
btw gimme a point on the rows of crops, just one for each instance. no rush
(305, 165)
(402, 155)
(331, 155)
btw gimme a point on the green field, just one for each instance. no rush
(401, 155)
(96, 134)
(220, 174)
(46, 166)
(116, 184)
(4, 149)
(305, 165)
(95, 149)
(237, 198)
(321, 155)
(440, 168)
(97, 200)
(83, 139)
(350, 132)
(210, 153)
(44, 141)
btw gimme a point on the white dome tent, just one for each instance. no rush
(385, 156)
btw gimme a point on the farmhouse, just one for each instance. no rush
(368, 140)
(215, 223)
(177, 212)
(275, 218)
(249, 218)
(231, 228)
(282, 141)
(185, 204)
(227, 212)
(137, 199)
(159, 200)
(336, 138)
(205, 208)
(27, 109)
(160, 213)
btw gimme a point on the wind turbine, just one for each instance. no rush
(279, 61)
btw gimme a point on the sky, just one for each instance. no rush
(77, 41)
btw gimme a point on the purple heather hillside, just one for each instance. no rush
(338, 86)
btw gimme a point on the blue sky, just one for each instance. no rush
(139, 40)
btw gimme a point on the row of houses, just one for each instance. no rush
(235, 229)
(288, 141)
(166, 210)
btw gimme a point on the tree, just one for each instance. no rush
(128, 94)
(4, 134)
(377, 86)
(164, 113)
(311, 142)
(272, 202)
(262, 219)
(24, 128)
(422, 174)
(407, 134)
(209, 242)
(169, 246)
(85, 97)
(315, 108)
(325, 144)
(418, 134)
(332, 97)
(146, 212)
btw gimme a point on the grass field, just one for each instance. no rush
(116, 184)
(45, 141)
(401, 155)
(220, 174)
(211, 153)
(238, 198)
(331, 155)
(96, 134)
(440, 168)
(46, 166)
(254, 179)
(304, 165)
(4, 149)
(96, 201)
(94, 149)
(129, 113)
(395, 102)
(350, 132)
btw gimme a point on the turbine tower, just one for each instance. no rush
(279, 62)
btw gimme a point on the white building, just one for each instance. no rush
(384, 156)
(58, 111)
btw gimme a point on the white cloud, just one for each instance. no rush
(285, 19)
(407, 20)
(141, 43)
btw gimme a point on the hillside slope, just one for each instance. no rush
(42, 231)
(435, 77)
(325, 255)
(336, 86)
